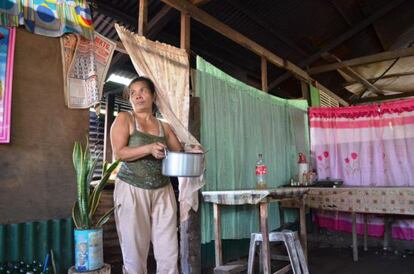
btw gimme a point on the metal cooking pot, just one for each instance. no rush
(183, 164)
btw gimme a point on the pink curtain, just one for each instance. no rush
(365, 146)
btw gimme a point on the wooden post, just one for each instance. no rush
(190, 231)
(265, 237)
(109, 119)
(190, 243)
(265, 87)
(142, 16)
(305, 91)
(302, 223)
(217, 235)
(185, 32)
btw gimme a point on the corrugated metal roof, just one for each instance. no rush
(293, 29)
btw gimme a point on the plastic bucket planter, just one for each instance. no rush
(88, 249)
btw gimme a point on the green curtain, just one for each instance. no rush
(237, 123)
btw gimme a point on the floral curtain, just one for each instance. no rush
(48, 17)
(365, 146)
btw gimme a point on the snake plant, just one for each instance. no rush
(87, 202)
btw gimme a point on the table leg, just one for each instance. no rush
(303, 232)
(265, 237)
(217, 235)
(365, 232)
(354, 238)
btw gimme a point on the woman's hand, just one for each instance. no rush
(157, 150)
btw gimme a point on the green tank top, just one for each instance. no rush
(144, 172)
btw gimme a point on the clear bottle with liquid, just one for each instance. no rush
(261, 171)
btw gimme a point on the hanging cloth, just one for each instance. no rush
(48, 17)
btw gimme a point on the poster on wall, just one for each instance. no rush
(7, 39)
(85, 64)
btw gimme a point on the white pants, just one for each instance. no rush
(146, 215)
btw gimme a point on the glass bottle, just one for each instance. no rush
(261, 171)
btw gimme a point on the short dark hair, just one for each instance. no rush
(149, 82)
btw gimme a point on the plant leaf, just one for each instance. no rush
(92, 168)
(96, 193)
(105, 217)
(75, 215)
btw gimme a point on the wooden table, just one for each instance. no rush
(364, 200)
(256, 197)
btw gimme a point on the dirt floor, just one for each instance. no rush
(329, 260)
(375, 260)
(331, 253)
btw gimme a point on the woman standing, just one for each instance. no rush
(147, 208)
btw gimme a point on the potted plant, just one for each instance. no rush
(88, 232)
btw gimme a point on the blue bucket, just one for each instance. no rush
(88, 249)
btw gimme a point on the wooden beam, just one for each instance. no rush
(199, 2)
(142, 17)
(354, 74)
(342, 38)
(387, 76)
(265, 25)
(208, 20)
(369, 59)
(185, 32)
(383, 98)
(264, 74)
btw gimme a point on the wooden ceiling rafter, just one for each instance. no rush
(364, 60)
(208, 20)
(354, 74)
(387, 76)
(383, 98)
(341, 39)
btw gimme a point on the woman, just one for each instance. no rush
(147, 206)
